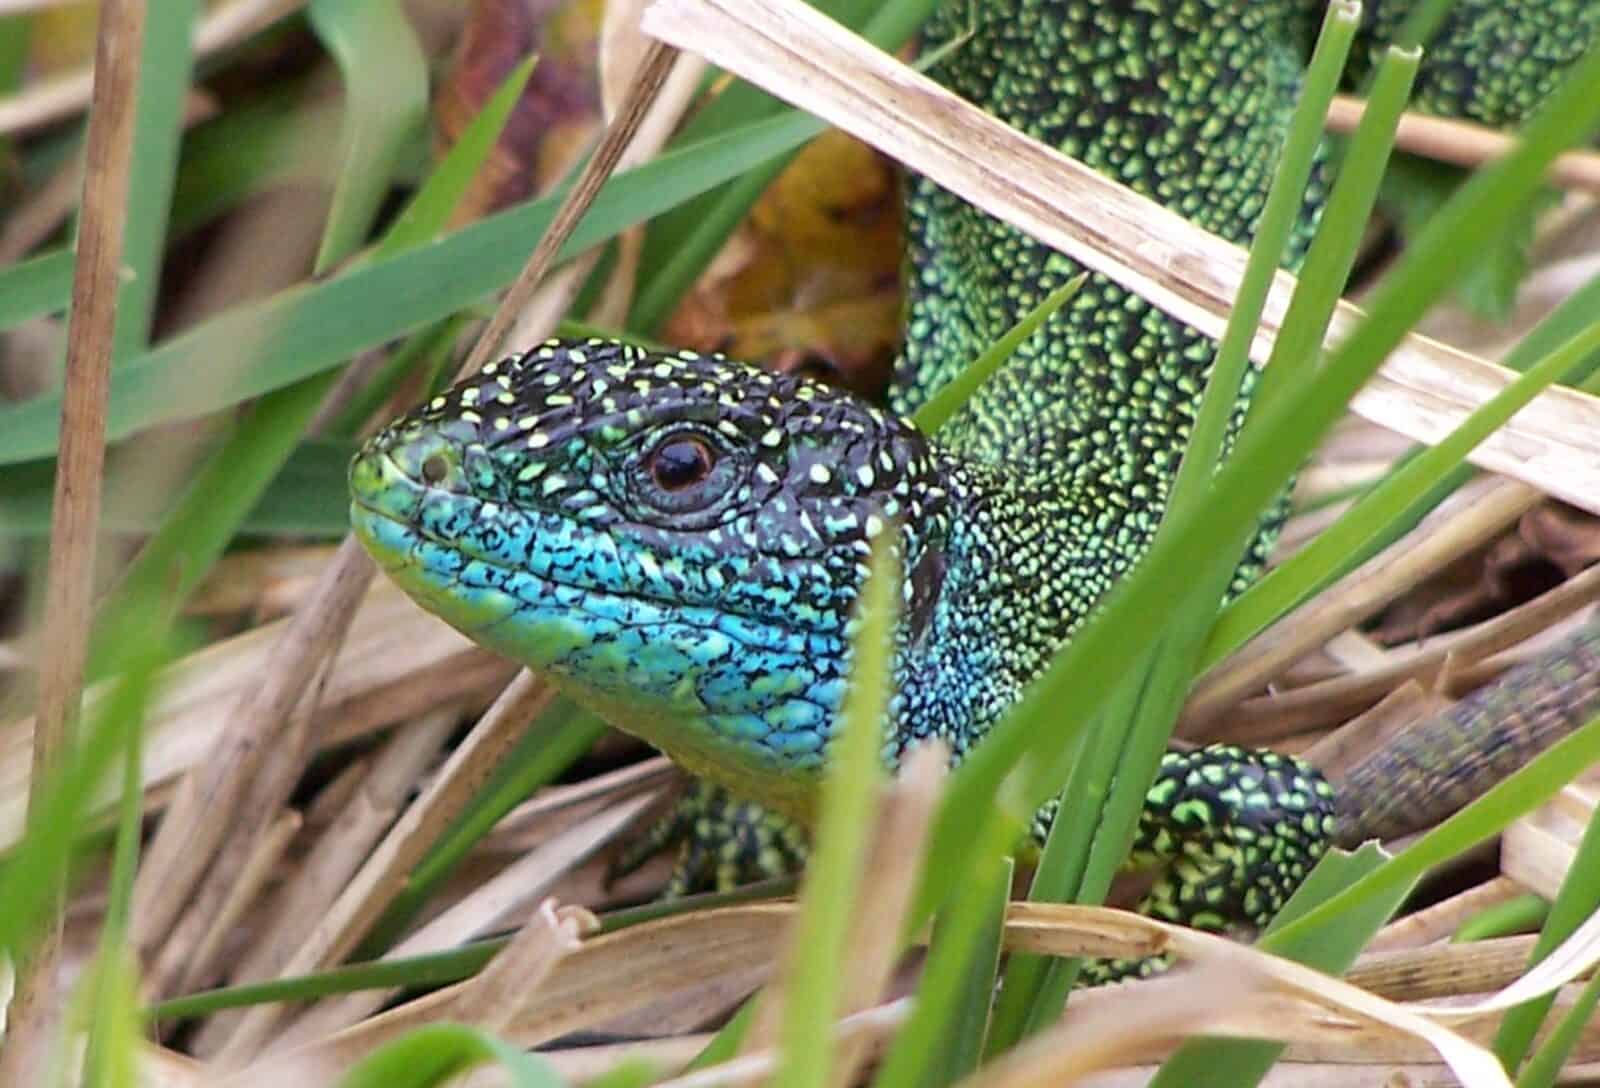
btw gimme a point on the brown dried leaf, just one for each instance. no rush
(558, 113)
(1561, 535)
(813, 276)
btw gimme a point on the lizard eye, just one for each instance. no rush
(681, 462)
(686, 476)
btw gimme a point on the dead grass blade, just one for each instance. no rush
(1439, 921)
(398, 662)
(1473, 517)
(1132, 1023)
(492, 905)
(1304, 1004)
(1423, 391)
(1464, 143)
(335, 933)
(205, 806)
(894, 858)
(334, 860)
(80, 475)
(605, 977)
(62, 96)
(1538, 850)
(1443, 970)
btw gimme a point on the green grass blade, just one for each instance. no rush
(1279, 217)
(1506, 802)
(1520, 914)
(1237, 1063)
(438, 1053)
(953, 996)
(218, 503)
(434, 969)
(725, 1044)
(1271, 598)
(430, 210)
(386, 102)
(193, 536)
(430, 969)
(1105, 793)
(16, 34)
(36, 287)
(629, 1073)
(228, 485)
(1578, 898)
(1333, 251)
(1544, 1068)
(1421, 22)
(1032, 984)
(949, 398)
(558, 738)
(1330, 933)
(286, 134)
(306, 330)
(308, 497)
(1393, 501)
(114, 1045)
(165, 71)
(834, 871)
(39, 862)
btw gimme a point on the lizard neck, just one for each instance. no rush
(991, 598)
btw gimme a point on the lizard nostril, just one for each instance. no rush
(435, 468)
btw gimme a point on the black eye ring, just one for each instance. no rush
(680, 462)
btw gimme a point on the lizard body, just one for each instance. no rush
(679, 539)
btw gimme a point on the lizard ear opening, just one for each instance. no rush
(926, 584)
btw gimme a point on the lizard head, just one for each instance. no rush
(677, 539)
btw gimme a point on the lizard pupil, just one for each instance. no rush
(680, 462)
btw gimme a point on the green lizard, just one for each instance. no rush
(679, 539)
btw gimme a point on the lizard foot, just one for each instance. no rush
(1231, 832)
(722, 842)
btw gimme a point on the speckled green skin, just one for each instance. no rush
(714, 619)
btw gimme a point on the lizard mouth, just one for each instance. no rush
(749, 716)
